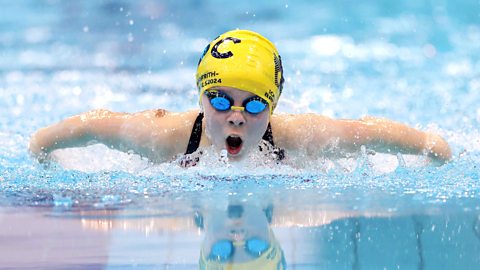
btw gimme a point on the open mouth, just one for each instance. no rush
(234, 144)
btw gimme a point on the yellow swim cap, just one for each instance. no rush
(244, 60)
(271, 259)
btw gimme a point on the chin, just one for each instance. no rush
(243, 154)
(236, 157)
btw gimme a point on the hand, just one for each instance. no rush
(437, 149)
(37, 151)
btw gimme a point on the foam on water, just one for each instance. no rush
(113, 179)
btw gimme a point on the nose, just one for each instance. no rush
(236, 118)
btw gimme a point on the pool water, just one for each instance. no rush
(416, 62)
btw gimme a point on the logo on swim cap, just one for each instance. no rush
(244, 60)
(228, 54)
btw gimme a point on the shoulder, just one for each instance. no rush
(166, 118)
(164, 132)
(172, 123)
(162, 113)
(301, 131)
(295, 121)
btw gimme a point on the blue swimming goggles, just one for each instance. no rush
(223, 250)
(223, 102)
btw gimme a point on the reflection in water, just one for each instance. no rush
(239, 237)
(238, 234)
(235, 236)
(247, 234)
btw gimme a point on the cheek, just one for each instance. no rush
(211, 122)
(260, 125)
(213, 127)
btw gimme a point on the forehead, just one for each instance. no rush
(235, 93)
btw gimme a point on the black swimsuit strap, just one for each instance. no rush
(268, 136)
(195, 136)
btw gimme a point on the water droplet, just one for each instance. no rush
(224, 156)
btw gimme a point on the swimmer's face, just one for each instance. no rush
(238, 224)
(239, 132)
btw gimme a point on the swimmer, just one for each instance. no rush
(239, 79)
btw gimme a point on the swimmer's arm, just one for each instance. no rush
(388, 136)
(320, 135)
(147, 133)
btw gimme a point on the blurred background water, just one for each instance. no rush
(416, 62)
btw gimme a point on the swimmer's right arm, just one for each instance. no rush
(155, 134)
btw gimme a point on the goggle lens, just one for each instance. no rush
(255, 106)
(256, 246)
(220, 103)
(223, 250)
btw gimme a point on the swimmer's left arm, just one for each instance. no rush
(388, 136)
(320, 135)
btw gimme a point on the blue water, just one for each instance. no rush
(416, 62)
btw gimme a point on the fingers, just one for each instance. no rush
(36, 150)
(437, 149)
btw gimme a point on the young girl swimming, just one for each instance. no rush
(240, 80)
